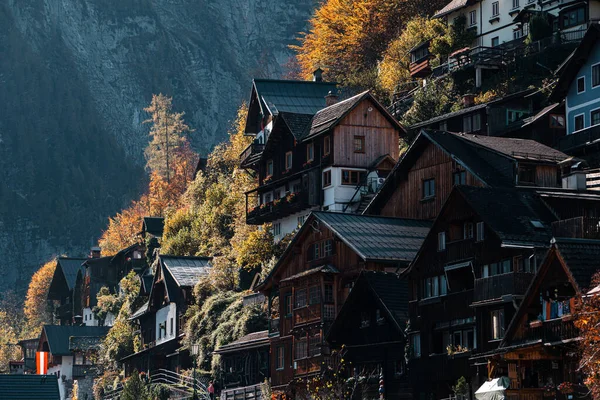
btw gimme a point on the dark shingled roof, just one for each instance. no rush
(510, 212)
(186, 271)
(84, 343)
(70, 268)
(377, 238)
(444, 117)
(452, 6)
(154, 226)
(329, 116)
(517, 148)
(59, 336)
(29, 387)
(249, 341)
(298, 124)
(298, 97)
(582, 257)
(140, 311)
(326, 269)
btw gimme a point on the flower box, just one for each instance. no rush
(535, 324)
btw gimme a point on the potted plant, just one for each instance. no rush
(268, 179)
(566, 388)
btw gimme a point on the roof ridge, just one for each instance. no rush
(368, 216)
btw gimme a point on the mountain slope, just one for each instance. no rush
(74, 78)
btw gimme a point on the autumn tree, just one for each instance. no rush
(588, 322)
(9, 337)
(167, 131)
(37, 309)
(347, 38)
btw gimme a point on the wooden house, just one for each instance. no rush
(244, 365)
(370, 331)
(62, 288)
(539, 351)
(28, 349)
(314, 276)
(161, 319)
(420, 65)
(312, 152)
(436, 161)
(152, 227)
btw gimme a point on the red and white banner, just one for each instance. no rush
(41, 362)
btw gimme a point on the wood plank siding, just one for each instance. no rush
(381, 137)
(407, 200)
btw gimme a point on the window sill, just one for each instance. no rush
(514, 11)
(494, 341)
(427, 199)
(494, 19)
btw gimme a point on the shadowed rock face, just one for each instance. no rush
(74, 78)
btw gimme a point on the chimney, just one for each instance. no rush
(318, 75)
(468, 100)
(576, 179)
(95, 252)
(331, 99)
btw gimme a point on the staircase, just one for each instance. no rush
(364, 202)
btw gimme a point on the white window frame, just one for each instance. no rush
(480, 229)
(496, 9)
(472, 17)
(291, 159)
(577, 84)
(441, 241)
(592, 119)
(515, 4)
(415, 343)
(276, 228)
(592, 75)
(271, 167)
(468, 230)
(582, 115)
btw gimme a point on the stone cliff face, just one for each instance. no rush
(74, 78)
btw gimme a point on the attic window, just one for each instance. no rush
(537, 224)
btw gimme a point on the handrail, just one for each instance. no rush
(364, 182)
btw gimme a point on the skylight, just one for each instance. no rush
(537, 224)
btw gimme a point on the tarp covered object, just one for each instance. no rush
(493, 390)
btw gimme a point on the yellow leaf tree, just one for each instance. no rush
(37, 310)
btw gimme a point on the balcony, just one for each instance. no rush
(80, 371)
(251, 155)
(577, 228)
(551, 331)
(281, 208)
(497, 286)
(307, 366)
(308, 314)
(579, 139)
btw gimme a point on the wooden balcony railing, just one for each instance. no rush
(579, 139)
(552, 331)
(494, 287)
(310, 313)
(578, 228)
(251, 154)
(307, 365)
(280, 208)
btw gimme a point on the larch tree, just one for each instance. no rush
(167, 132)
(588, 322)
(37, 309)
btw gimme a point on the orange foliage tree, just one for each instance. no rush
(37, 310)
(347, 38)
(588, 323)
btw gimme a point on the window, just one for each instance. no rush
(515, 4)
(314, 345)
(415, 344)
(277, 229)
(435, 286)
(579, 122)
(301, 220)
(476, 122)
(495, 41)
(328, 293)
(526, 175)
(441, 241)
(365, 319)
(480, 234)
(581, 84)
(310, 152)
(78, 359)
(595, 75)
(459, 178)
(269, 168)
(514, 116)
(595, 117)
(171, 331)
(288, 305)
(268, 197)
(518, 33)
(329, 312)
(327, 248)
(444, 126)
(468, 230)
(495, 11)
(472, 123)
(327, 178)
(428, 188)
(301, 298)
(288, 160)
(467, 126)
(280, 357)
(497, 317)
(326, 145)
(557, 121)
(473, 17)
(359, 144)
(352, 177)
(301, 349)
(314, 295)
(502, 267)
(573, 18)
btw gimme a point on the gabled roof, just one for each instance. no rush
(297, 97)
(69, 267)
(140, 311)
(330, 116)
(390, 292)
(510, 212)
(186, 271)
(452, 6)
(326, 269)
(569, 69)
(582, 257)
(29, 387)
(298, 124)
(379, 239)
(444, 117)
(519, 149)
(249, 341)
(153, 226)
(59, 336)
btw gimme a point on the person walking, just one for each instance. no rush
(211, 390)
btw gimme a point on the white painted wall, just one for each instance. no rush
(164, 316)
(66, 369)
(337, 195)
(290, 223)
(89, 319)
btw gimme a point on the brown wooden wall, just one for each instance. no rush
(381, 137)
(407, 199)
(547, 176)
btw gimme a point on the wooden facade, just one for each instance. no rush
(408, 199)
